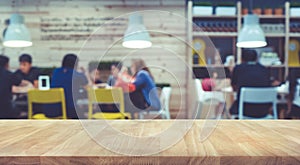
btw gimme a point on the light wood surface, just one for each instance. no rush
(232, 142)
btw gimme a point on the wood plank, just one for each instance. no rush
(231, 142)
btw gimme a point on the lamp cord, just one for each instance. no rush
(250, 7)
(136, 5)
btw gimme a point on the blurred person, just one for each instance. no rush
(94, 75)
(7, 80)
(72, 81)
(209, 84)
(112, 81)
(28, 74)
(115, 69)
(123, 76)
(26, 71)
(294, 94)
(142, 88)
(250, 74)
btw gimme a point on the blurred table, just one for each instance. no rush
(20, 95)
(232, 142)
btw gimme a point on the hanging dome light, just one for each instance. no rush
(17, 35)
(251, 35)
(136, 35)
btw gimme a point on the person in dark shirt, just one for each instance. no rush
(7, 80)
(294, 93)
(27, 71)
(115, 69)
(94, 74)
(250, 74)
(29, 75)
(72, 81)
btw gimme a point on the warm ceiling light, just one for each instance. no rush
(17, 35)
(136, 35)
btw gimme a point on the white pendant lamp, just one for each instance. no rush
(136, 35)
(251, 35)
(17, 35)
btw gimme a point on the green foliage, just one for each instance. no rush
(103, 65)
(226, 4)
(47, 70)
(202, 4)
(295, 4)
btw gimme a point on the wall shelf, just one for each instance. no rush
(275, 66)
(294, 34)
(215, 16)
(215, 34)
(279, 40)
(210, 66)
(293, 17)
(272, 16)
(275, 34)
(225, 66)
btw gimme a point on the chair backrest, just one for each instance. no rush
(203, 96)
(258, 95)
(54, 95)
(296, 100)
(165, 100)
(199, 87)
(106, 95)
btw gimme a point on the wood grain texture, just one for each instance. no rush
(232, 142)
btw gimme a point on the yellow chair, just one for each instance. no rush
(54, 95)
(110, 96)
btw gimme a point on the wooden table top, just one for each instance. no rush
(67, 142)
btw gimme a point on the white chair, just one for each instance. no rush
(204, 96)
(258, 95)
(164, 112)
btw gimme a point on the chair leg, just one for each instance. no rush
(219, 110)
(233, 117)
(167, 114)
(198, 110)
(141, 115)
(132, 114)
(275, 111)
(163, 115)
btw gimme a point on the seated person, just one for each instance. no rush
(28, 74)
(250, 74)
(72, 81)
(95, 77)
(294, 95)
(7, 80)
(27, 71)
(123, 76)
(94, 73)
(143, 92)
(115, 69)
(112, 81)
